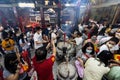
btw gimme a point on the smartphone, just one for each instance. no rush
(22, 60)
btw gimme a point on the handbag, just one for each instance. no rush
(80, 69)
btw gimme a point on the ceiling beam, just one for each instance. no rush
(8, 5)
(107, 4)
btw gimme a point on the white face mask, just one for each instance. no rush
(49, 28)
(25, 37)
(115, 48)
(110, 45)
(88, 51)
(39, 32)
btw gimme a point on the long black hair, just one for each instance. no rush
(11, 62)
(88, 44)
(22, 38)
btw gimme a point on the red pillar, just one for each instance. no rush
(42, 17)
(20, 24)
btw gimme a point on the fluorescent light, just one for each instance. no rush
(26, 5)
(67, 4)
(82, 6)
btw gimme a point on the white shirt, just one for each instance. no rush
(80, 28)
(93, 70)
(37, 37)
(53, 35)
(78, 40)
(103, 47)
(116, 47)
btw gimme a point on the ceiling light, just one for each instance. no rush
(26, 5)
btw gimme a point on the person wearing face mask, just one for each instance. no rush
(87, 51)
(109, 45)
(95, 68)
(47, 30)
(24, 42)
(38, 40)
(95, 42)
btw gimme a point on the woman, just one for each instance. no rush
(24, 42)
(13, 69)
(95, 42)
(95, 68)
(30, 38)
(54, 35)
(87, 51)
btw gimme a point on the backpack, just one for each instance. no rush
(8, 44)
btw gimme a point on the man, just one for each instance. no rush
(38, 41)
(109, 44)
(42, 65)
(47, 31)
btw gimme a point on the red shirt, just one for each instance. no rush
(1, 75)
(44, 69)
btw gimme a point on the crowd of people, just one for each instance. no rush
(97, 51)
